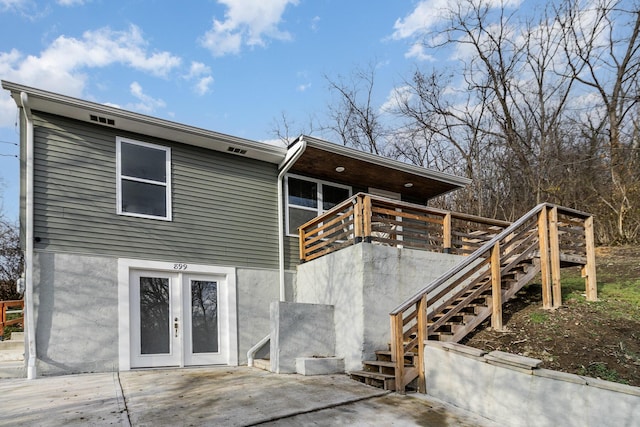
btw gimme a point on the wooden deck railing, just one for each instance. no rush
(8, 308)
(552, 233)
(369, 218)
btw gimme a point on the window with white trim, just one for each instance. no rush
(143, 179)
(308, 198)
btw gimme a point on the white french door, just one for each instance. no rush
(177, 319)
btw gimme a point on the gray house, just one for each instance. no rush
(152, 243)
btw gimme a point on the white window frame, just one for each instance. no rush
(318, 209)
(120, 177)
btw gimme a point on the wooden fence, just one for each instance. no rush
(9, 308)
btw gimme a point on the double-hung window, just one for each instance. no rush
(308, 198)
(143, 179)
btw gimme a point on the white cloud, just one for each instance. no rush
(71, 2)
(147, 104)
(13, 4)
(426, 15)
(201, 74)
(429, 14)
(315, 23)
(62, 66)
(418, 51)
(397, 95)
(303, 87)
(247, 22)
(203, 85)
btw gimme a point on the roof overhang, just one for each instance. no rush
(117, 118)
(319, 160)
(340, 164)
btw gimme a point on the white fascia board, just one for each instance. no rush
(74, 108)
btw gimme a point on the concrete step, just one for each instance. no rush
(17, 336)
(264, 364)
(11, 345)
(13, 369)
(12, 355)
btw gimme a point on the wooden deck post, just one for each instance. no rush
(397, 350)
(496, 289)
(301, 248)
(357, 220)
(366, 213)
(543, 238)
(589, 270)
(554, 253)
(422, 336)
(446, 233)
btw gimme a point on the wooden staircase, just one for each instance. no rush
(455, 304)
(381, 372)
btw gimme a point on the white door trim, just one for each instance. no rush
(125, 265)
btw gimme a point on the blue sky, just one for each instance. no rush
(232, 66)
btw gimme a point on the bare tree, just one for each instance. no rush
(602, 47)
(11, 260)
(287, 130)
(354, 117)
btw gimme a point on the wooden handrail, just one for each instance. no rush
(542, 229)
(4, 306)
(377, 219)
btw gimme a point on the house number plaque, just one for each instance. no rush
(180, 266)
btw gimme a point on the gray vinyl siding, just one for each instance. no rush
(224, 206)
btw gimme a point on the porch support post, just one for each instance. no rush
(496, 289)
(446, 233)
(543, 238)
(397, 350)
(301, 245)
(357, 219)
(366, 213)
(422, 336)
(589, 270)
(554, 252)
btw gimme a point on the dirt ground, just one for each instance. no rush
(597, 339)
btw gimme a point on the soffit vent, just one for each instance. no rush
(237, 150)
(103, 120)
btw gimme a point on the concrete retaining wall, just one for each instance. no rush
(364, 283)
(510, 390)
(300, 330)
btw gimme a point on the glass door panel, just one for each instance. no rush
(204, 316)
(155, 329)
(155, 319)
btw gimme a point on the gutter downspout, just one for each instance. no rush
(31, 324)
(292, 156)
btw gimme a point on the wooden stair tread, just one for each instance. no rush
(375, 375)
(388, 353)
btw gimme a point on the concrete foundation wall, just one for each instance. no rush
(256, 289)
(300, 330)
(76, 311)
(364, 283)
(515, 396)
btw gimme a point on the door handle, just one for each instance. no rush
(175, 326)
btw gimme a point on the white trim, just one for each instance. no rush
(166, 184)
(319, 210)
(125, 265)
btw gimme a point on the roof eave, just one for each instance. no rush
(66, 106)
(454, 180)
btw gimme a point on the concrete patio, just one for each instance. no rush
(220, 396)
